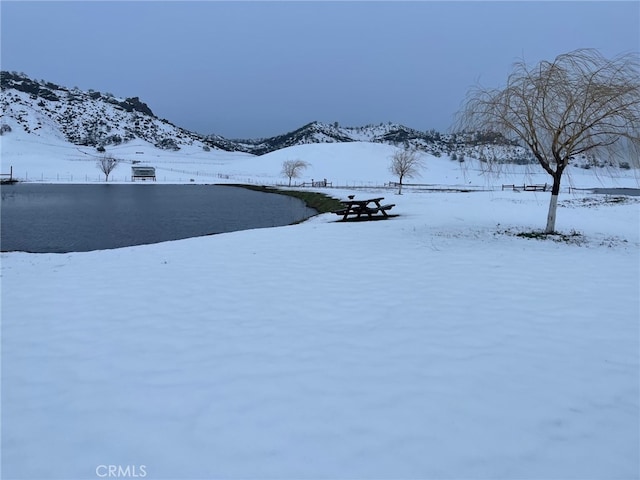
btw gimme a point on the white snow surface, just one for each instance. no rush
(437, 344)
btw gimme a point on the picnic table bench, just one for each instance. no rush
(370, 207)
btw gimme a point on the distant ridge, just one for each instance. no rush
(317, 132)
(99, 119)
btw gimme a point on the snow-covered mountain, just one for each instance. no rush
(317, 132)
(478, 145)
(84, 118)
(98, 119)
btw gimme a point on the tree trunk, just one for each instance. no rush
(553, 204)
(400, 186)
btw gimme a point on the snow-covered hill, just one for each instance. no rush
(458, 146)
(99, 120)
(91, 118)
(48, 158)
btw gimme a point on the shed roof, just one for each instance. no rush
(143, 170)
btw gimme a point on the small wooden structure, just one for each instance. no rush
(143, 173)
(370, 208)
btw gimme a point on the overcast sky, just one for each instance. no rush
(258, 69)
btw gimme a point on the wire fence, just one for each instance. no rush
(113, 177)
(191, 176)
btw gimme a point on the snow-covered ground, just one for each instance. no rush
(435, 345)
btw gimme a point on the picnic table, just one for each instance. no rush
(370, 208)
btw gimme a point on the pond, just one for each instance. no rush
(54, 218)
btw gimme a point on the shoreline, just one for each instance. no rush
(320, 202)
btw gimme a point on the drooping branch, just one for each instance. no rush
(580, 103)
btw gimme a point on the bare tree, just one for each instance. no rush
(406, 164)
(580, 103)
(293, 168)
(106, 164)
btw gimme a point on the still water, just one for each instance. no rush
(80, 218)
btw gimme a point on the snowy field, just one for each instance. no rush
(438, 344)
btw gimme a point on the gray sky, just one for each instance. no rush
(258, 69)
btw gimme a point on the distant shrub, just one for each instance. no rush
(4, 128)
(168, 144)
(625, 165)
(48, 95)
(112, 140)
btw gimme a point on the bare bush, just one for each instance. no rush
(293, 168)
(106, 164)
(405, 164)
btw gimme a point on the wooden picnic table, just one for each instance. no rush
(370, 207)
